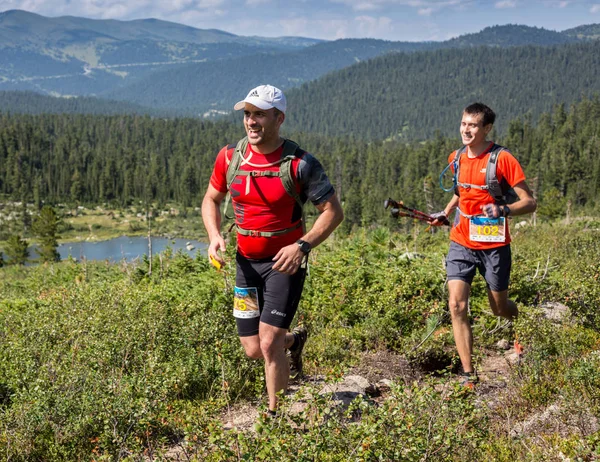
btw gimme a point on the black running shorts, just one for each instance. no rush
(493, 264)
(263, 294)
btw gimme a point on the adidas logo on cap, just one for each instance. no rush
(264, 97)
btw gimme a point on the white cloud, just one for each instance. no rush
(325, 19)
(366, 6)
(434, 5)
(202, 19)
(506, 4)
(331, 29)
(335, 28)
(370, 26)
(118, 9)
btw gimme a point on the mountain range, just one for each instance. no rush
(138, 60)
(158, 67)
(408, 96)
(80, 56)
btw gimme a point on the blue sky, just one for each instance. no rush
(410, 20)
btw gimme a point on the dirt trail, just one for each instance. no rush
(372, 376)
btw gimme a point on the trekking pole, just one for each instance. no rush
(400, 210)
(423, 216)
(399, 213)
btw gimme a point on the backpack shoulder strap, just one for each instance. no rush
(459, 152)
(236, 160)
(290, 152)
(237, 156)
(456, 164)
(491, 175)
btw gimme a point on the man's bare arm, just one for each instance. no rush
(289, 258)
(447, 211)
(525, 204)
(211, 216)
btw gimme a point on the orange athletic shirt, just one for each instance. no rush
(472, 171)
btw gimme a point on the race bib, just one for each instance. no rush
(245, 302)
(482, 229)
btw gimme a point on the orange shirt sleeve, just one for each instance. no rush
(510, 169)
(451, 157)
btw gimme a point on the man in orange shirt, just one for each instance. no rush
(480, 235)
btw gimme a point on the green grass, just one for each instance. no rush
(103, 362)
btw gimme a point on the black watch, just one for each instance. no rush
(505, 211)
(304, 246)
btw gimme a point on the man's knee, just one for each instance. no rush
(251, 347)
(253, 352)
(267, 348)
(271, 346)
(458, 308)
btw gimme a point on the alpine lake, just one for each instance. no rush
(128, 248)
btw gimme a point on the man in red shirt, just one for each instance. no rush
(480, 235)
(272, 243)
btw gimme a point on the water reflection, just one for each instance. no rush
(124, 248)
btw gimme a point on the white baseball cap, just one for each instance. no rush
(264, 97)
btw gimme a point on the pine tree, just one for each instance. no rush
(76, 187)
(45, 226)
(17, 250)
(26, 218)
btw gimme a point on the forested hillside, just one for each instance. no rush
(399, 96)
(195, 89)
(412, 96)
(27, 102)
(118, 159)
(196, 72)
(512, 35)
(80, 56)
(585, 32)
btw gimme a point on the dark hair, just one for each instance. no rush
(489, 116)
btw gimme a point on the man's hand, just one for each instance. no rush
(288, 259)
(217, 244)
(439, 219)
(491, 210)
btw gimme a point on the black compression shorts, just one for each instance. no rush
(263, 294)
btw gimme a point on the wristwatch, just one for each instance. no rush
(505, 211)
(304, 246)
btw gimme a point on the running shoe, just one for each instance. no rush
(301, 334)
(468, 380)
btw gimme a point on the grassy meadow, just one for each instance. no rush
(99, 223)
(105, 362)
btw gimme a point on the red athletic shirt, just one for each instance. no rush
(472, 171)
(261, 203)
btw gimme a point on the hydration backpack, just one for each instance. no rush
(290, 152)
(500, 190)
